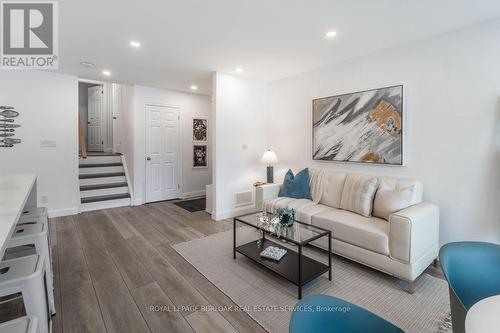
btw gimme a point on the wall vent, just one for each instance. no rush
(243, 198)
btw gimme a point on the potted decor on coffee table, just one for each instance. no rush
(286, 216)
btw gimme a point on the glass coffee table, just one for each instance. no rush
(294, 266)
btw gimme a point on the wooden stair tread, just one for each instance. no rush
(105, 198)
(100, 165)
(99, 153)
(101, 175)
(101, 186)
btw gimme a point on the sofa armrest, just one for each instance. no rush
(413, 231)
(265, 192)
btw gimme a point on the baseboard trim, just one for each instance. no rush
(193, 194)
(63, 212)
(233, 212)
(138, 202)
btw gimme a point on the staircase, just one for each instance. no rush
(102, 182)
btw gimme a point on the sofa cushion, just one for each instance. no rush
(299, 204)
(358, 194)
(369, 233)
(332, 186)
(304, 208)
(389, 201)
(305, 213)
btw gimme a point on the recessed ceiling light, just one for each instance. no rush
(106, 72)
(331, 34)
(239, 70)
(193, 87)
(135, 44)
(87, 64)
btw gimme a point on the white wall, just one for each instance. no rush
(240, 114)
(127, 130)
(48, 106)
(191, 106)
(452, 116)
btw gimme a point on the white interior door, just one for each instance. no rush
(95, 140)
(117, 118)
(162, 153)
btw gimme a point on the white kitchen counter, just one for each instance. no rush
(16, 192)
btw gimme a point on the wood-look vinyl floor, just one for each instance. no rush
(115, 271)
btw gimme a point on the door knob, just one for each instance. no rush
(148, 158)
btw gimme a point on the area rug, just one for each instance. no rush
(194, 205)
(268, 298)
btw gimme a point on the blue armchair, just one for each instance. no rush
(473, 273)
(328, 314)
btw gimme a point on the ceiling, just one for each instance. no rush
(183, 41)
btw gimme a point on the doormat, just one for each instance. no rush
(194, 205)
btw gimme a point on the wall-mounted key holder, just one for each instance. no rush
(10, 141)
(7, 126)
(9, 113)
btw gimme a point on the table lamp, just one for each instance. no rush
(269, 158)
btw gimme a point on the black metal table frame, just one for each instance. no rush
(326, 232)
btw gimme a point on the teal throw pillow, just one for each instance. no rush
(297, 186)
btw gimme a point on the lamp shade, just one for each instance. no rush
(269, 158)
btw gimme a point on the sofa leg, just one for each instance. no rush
(410, 287)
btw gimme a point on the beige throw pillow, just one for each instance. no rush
(358, 194)
(391, 201)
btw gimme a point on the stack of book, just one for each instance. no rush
(273, 252)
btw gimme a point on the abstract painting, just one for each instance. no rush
(362, 127)
(200, 129)
(200, 156)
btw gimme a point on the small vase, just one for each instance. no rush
(287, 220)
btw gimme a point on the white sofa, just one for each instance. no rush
(404, 246)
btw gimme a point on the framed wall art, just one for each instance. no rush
(360, 127)
(200, 156)
(200, 130)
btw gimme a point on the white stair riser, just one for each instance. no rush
(100, 159)
(102, 180)
(104, 191)
(86, 207)
(86, 171)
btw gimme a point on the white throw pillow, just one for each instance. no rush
(358, 193)
(391, 201)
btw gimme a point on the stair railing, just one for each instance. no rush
(83, 141)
